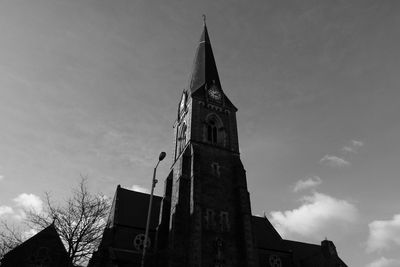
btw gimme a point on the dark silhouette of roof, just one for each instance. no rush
(204, 73)
(43, 248)
(268, 239)
(266, 235)
(302, 250)
(130, 208)
(127, 219)
(204, 68)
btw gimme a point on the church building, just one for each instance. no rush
(44, 249)
(204, 218)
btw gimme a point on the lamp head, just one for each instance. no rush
(162, 156)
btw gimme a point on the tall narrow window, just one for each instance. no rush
(209, 133)
(210, 223)
(215, 168)
(182, 138)
(212, 132)
(224, 221)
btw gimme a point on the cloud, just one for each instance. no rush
(4, 210)
(334, 161)
(310, 182)
(349, 149)
(104, 198)
(29, 202)
(384, 262)
(317, 217)
(29, 233)
(356, 143)
(384, 234)
(1, 177)
(139, 188)
(353, 146)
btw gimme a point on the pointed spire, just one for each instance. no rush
(204, 68)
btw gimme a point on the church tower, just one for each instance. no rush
(206, 215)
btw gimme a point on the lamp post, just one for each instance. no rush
(153, 185)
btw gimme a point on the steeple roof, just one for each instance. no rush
(204, 68)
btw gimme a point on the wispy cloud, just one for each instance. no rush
(384, 234)
(310, 182)
(356, 143)
(29, 202)
(334, 161)
(353, 146)
(384, 262)
(6, 210)
(139, 188)
(318, 216)
(348, 149)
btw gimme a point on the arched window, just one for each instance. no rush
(182, 138)
(212, 132)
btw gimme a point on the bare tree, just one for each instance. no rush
(80, 221)
(10, 237)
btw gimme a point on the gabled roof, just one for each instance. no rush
(266, 235)
(47, 239)
(204, 68)
(48, 234)
(312, 254)
(267, 238)
(130, 208)
(302, 250)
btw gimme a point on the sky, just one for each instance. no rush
(91, 88)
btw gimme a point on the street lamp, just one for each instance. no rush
(153, 184)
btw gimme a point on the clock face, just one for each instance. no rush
(214, 93)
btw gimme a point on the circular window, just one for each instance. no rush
(275, 261)
(138, 242)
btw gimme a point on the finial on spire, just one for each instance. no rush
(204, 19)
